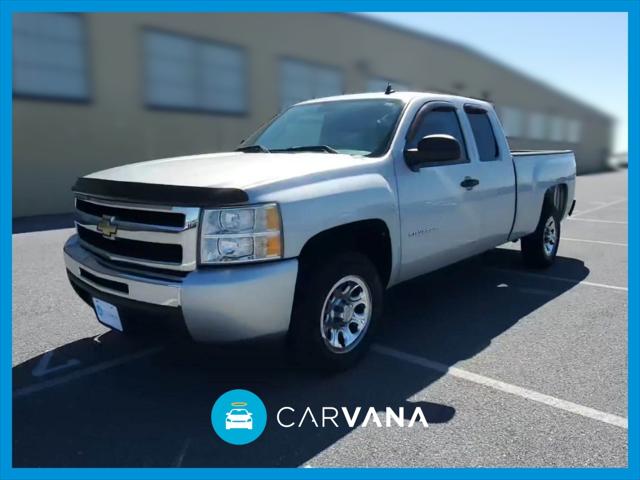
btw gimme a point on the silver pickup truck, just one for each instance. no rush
(299, 231)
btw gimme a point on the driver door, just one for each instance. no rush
(440, 218)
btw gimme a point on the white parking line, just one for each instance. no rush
(561, 279)
(599, 207)
(54, 382)
(532, 395)
(617, 244)
(183, 452)
(596, 220)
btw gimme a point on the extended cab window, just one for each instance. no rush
(439, 120)
(483, 134)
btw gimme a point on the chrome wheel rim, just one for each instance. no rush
(550, 236)
(346, 314)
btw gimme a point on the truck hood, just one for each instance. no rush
(229, 170)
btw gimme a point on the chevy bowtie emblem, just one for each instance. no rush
(107, 227)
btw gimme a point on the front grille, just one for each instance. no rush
(155, 252)
(153, 238)
(146, 217)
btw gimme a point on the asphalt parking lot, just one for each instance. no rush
(511, 367)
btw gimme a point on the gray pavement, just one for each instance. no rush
(538, 377)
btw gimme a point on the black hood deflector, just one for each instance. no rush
(158, 194)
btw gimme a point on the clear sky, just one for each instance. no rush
(583, 54)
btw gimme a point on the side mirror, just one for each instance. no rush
(432, 149)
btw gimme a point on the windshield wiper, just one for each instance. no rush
(308, 148)
(253, 149)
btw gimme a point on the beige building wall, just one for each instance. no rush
(57, 141)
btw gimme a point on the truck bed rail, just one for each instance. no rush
(525, 153)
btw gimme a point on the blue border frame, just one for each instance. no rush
(7, 7)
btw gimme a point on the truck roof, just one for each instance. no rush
(403, 96)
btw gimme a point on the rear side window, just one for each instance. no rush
(441, 120)
(483, 134)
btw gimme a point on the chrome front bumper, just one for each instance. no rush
(223, 304)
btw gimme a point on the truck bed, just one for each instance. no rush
(544, 169)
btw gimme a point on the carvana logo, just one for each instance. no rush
(238, 417)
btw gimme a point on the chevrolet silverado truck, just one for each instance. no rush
(299, 231)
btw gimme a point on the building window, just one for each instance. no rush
(574, 131)
(557, 129)
(537, 127)
(300, 81)
(512, 121)
(186, 73)
(379, 84)
(49, 56)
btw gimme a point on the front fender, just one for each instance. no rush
(312, 208)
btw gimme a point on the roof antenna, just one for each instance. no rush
(389, 90)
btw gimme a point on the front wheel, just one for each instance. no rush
(540, 248)
(336, 311)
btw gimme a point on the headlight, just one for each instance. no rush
(240, 234)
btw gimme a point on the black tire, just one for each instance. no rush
(315, 283)
(534, 253)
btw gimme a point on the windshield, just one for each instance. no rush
(237, 411)
(355, 127)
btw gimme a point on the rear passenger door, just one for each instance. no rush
(439, 219)
(496, 190)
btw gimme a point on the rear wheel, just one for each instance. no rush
(336, 311)
(539, 249)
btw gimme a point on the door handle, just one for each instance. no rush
(469, 182)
